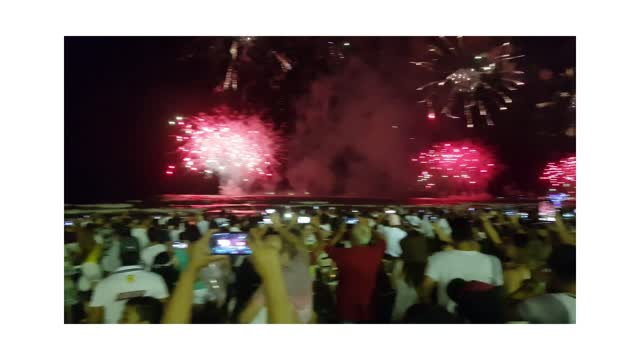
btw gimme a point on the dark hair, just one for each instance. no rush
(130, 258)
(429, 314)
(461, 229)
(191, 233)
(162, 266)
(121, 229)
(325, 219)
(148, 308)
(174, 221)
(414, 273)
(563, 262)
(478, 307)
(158, 235)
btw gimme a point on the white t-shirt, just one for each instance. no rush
(125, 283)
(141, 235)
(203, 226)
(549, 309)
(149, 253)
(445, 266)
(392, 235)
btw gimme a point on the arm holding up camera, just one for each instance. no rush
(283, 230)
(266, 261)
(489, 229)
(178, 310)
(563, 232)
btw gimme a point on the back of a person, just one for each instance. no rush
(357, 274)
(445, 266)
(128, 282)
(558, 308)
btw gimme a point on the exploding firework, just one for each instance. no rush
(561, 176)
(239, 52)
(478, 80)
(240, 149)
(454, 168)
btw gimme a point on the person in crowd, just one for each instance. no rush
(429, 314)
(202, 223)
(357, 268)
(477, 302)
(558, 306)
(392, 234)
(465, 262)
(128, 281)
(295, 262)
(139, 230)
(158, 239)
(408, 272)
(142, 310)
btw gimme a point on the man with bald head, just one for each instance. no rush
(357, 269)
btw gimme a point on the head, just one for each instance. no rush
(461, 230)
(142, 310)
(158, 235)
(129, 251)
(394, 220)
(191, 233)
(429, 314)
(360, 234)
(478, 302)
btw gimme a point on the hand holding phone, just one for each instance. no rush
(229, 244)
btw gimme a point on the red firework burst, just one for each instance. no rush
(561, 176)
(455, 167)
(240, 149)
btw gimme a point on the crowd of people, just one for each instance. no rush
(452, 265)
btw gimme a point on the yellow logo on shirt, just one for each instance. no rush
(131, 278)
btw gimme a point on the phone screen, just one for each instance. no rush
(267, 220)
(229, 244)
(68, 223)
(304, 219)
(350, 220)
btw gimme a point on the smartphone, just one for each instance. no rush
(266, 220)
(157, 217)
(304, 219)
(179, 245)
(355, 211)
(229, 244)
(350, 220)
(270, 211)
(287, 215)
(523, 215)
(389, 211)
(68, 223)
(316, 207)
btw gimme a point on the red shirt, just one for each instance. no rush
(357, 270)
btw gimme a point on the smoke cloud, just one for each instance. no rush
(351, 136)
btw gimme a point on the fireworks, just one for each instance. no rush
(240, 149)
(239, 51)
(455, 167)
(561, 176)
(479, 81)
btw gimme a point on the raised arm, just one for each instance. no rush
(563, 232)
(440, 232)
(489, 229)
(266, 261)
(178, 309)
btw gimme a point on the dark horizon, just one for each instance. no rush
(120, 92)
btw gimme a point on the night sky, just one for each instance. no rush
(120, 92)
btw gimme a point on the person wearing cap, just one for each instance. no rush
(465, 261)
(129, 281)
(392, 235)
